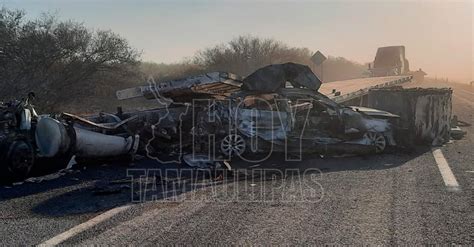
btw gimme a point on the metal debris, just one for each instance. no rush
(49, 177)
(199, 161)
(275, 76)
(186, 89)
(457, 133)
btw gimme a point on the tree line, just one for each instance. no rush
(68, 65)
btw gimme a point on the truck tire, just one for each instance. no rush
(17, 162)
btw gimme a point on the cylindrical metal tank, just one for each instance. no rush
(53, 139)
(425, 113)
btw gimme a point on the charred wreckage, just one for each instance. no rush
(216, 115)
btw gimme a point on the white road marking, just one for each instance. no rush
(84, 226)
(448, 176)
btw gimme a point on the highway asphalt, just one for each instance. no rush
(395, 198)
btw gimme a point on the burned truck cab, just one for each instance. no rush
(17, 153)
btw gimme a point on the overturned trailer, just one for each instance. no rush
(425, 113)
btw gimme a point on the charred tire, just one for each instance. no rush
(17, 162)
(378, 140)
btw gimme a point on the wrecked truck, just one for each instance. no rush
(219, 115)
(17, 151)
(46, 143)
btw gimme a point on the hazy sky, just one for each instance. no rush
(438, 35)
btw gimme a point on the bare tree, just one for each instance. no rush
(48, 55)
(245, 54)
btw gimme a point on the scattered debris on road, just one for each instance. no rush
(456, 132)
(49, 177)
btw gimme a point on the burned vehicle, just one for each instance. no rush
(275, 109)
(17, 151)
(300, 120)
(280, 105)
(32, 143)
(218, 115)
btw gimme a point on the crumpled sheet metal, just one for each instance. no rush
(214, 83)
(356, 120)
(273, 77)
(270, 126)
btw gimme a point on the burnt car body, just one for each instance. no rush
(300, 120)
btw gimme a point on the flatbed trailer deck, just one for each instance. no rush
(342, 91)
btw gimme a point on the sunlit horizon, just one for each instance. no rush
(437, 35)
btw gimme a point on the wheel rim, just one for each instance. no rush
(233, 145)
(377, 140)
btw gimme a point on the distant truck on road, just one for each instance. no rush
(390, 61)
